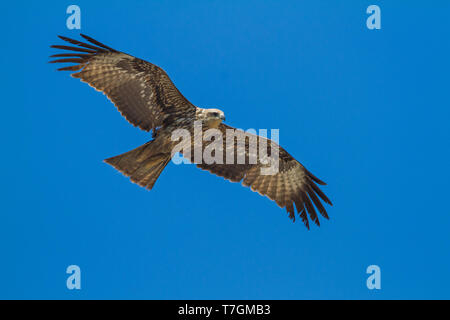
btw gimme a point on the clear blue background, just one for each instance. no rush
(365, 110)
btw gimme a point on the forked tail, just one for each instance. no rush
(143, 165)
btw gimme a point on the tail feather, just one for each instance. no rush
(143, 165)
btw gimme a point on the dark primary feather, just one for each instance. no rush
(81, 55)
(293, 184)
(98, 43)
(82, 44)
(140, 90)
(72, 48)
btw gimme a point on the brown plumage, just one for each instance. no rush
(147, 98)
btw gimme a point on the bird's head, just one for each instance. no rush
(212, 117)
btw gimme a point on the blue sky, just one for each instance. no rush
(365, 110)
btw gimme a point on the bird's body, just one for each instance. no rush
(148, 99)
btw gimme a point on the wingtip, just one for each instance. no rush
(62, 37)
(307, 225)
(315, 179)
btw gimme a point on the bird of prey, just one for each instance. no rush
(144, 94)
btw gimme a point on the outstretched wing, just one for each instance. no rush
(291, 184)
(141, 91)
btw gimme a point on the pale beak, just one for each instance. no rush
(222, 117)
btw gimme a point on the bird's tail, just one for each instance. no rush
(143, 165)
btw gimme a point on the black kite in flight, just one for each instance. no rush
(147, 98)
